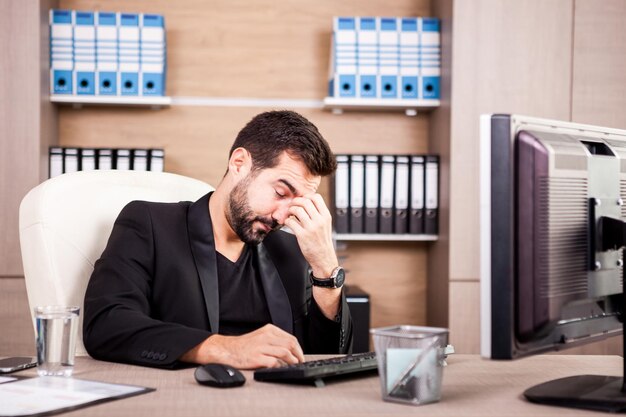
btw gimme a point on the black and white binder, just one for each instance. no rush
(357, 189)
(401, 206)
(105, 159)
(55, 160)
(157, 157)
(87, 159)
(386, 193)
(70, 160)
(372, 192)
(431, 218)
(416, 209)
(342, 185)
(122, 159)
(140, 159)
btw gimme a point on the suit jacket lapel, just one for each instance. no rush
(204, 254)
(275, 294)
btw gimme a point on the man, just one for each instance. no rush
(215, 280)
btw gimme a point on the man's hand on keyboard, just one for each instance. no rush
(266, 347)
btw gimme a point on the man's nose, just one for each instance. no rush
(282, 212)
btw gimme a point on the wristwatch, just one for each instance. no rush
(336, 279)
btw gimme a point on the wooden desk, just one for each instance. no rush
(471, 387)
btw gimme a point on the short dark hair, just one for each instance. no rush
(270, 134)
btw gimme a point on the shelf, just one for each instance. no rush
(378, 237)
(410, 107)
(155, 102)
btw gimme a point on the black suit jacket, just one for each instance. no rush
(153, 294)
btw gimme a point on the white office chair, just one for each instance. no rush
(65, 223)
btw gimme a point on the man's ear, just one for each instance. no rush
(240, 163)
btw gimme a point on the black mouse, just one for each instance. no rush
(219, 375)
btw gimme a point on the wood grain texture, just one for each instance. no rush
(18, 336)
(508, 57)
(471, 387)
(244, 48)
(394, 275)
(599, 87)
(27, 120)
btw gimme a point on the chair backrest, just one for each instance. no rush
(65, 223)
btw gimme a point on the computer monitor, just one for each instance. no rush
(552, 205)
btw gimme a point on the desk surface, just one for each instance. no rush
(471, 387)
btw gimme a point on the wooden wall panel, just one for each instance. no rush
(245, 48)
(27, 122)
(508, 57)
(599, 86)
(18, 336)
(197, 139)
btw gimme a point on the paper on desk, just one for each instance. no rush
(45, 394)
(6, 379)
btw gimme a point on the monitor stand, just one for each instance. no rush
(590, 392)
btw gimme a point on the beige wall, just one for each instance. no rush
(559, 59)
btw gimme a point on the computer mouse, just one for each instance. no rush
(219, 375)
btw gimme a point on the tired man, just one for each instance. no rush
(216, 280)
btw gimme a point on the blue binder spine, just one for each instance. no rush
(84, 53)
(343, 71)
(106, 54)
(409, 62)
(129, 44)
(153, 62)
(430, 59)
(389, 57)
(61, 52)
(367, 58)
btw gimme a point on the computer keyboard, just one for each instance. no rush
(316, 371)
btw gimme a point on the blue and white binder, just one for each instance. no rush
(152, 55)
(84, 53)
(122, 159)
(430, 59)
(56, 162)
(409, 62)
(389, 57)
(61, 52)
(105, 159)
(106, 54)
(367, 57)
(129, 44)
(343, 71)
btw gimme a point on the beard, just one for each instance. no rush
(241, 217)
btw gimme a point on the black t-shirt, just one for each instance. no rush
(243, 307)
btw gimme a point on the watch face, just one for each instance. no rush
(340, 278)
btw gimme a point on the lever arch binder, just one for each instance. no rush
(431, 224)
(389, 57)
(342, 186)
(107, 64)
(367, 57)
(343, 58)
(387, 171)
(85, 53)
(416, 211)
(409, 62)
(401, 195)
(372, 191)
(152, 55)
(61, 52)
(357, 173)
(128, 33)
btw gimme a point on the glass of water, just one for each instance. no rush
(57, 328)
